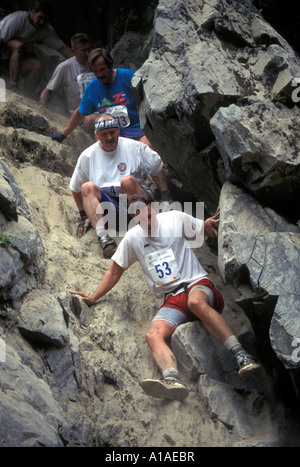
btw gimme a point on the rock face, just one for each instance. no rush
(70, 374)
(258, 257)
(212, 87)
(224, 116)
(260, 156)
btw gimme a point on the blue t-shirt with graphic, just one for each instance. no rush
(102, 98)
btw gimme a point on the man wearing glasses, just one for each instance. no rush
(73, 75)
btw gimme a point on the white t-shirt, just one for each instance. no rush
(173, 262)
(106, 169)
(17, 26)
(74, 77)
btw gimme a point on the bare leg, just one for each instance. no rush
(33, 69)
(167, 388)
(156, 338)
(130, 186)
(12, 50)
(218, 328)
(91, 196)
(211, 319)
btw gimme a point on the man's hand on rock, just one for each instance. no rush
(211, 225)
(59, 138)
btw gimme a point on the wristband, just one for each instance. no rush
(82, 214)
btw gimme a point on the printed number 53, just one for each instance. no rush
(161, 273)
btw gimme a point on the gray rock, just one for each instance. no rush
(12, 201)
(29, 415)
(258, 151)
(79, 381)
(259, 258)
(242, 415)
(42, 320)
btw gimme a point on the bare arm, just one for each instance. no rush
(110, 279)
(75, 120)
(45, 96)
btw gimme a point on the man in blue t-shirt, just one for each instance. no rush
(109, 92)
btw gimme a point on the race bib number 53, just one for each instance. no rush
(162, 266)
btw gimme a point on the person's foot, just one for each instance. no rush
(246, 365)
(108, 246)
(162, 389)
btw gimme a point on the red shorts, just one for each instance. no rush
(180, 301)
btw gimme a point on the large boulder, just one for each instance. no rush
(206, 56)
(259, 260)
(22, 264)
(259, 148)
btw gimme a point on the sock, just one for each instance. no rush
(232, 344)
(170, 374)
(100, 231)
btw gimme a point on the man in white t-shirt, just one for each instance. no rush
(73, 75)
(111, 167)
(161, 244)
(19, 31)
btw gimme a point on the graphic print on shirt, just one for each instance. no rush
(117, 108)
(122, 167)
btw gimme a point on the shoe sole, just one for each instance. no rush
(248, 370)
(160, 390)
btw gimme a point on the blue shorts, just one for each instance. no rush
(115, 200)
(110, 199)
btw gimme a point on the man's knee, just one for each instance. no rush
(129, 183)
(159, 332)
(90, 189)
(198, 303)
(152, 337)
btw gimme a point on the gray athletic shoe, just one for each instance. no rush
(108, 246)
(162, 389)
(246, 365)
